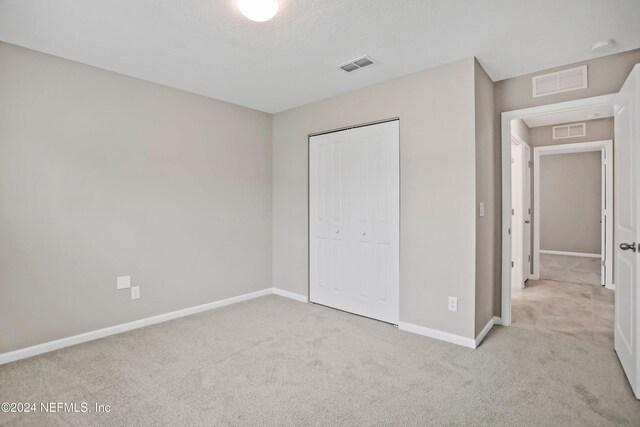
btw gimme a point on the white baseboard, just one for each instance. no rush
(46, 347)
(582, 254)
(495, 320)
(439, 335)
(291, 295)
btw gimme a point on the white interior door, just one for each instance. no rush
(627, 188)
(517, 220)
(354, 220)
(526, 211)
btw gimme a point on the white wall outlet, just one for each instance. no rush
(123, 282)
(481, 208)
(453, 304)
(135, 292)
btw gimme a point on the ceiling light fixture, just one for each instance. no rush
(258, 10)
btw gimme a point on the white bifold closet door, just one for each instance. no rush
(354, 220)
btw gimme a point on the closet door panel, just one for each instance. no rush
(326, 220)
(375, 220)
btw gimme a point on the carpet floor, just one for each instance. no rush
(273, 361)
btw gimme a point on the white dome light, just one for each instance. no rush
(258, 10)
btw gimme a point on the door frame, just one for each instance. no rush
(606, 227)
(506, 118)
(517, 256)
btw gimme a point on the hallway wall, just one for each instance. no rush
(570, 201)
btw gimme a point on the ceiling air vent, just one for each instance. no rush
(561, 81)
(356, 64)
(569, 131)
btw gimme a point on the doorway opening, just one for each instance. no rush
(620, 302)
(559, 218)
(573, 209)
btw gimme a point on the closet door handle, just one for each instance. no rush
(364, 233)
(527, 222)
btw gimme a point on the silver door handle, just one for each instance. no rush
(527, 222)
(627, 246)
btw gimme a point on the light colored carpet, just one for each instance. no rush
(583, 312)
(273, 361)
(571, 269)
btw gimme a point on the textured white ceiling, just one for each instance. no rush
(208, 47)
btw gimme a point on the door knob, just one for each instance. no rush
(527, 222)
(364, 233)
(627, 246)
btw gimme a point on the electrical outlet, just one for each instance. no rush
(123, 282)
(135, 292)
(453, 304)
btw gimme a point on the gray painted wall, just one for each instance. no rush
(437, 171)
(488, 192)
(104, 175)
(570, 201)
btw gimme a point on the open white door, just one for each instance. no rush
(627, 189)
(526, 212)
(517, 245)
(603, 217)
(520, 212)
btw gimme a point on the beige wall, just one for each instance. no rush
(104, 175)
(570, 202)
(437, 168)
(596, 130)
(487, 191)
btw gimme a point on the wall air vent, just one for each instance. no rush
(356, 64)
(569, 131)
(561, 81)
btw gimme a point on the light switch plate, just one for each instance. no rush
(123, 282)
(481, 208)
(135, 292)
